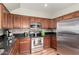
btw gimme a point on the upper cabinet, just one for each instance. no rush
(53, 23)
(3, 11)
(45, 23)
(17, 21)
(76, 14)
(68, 16)
(10, 21)
(59, 19)
(35, 20)
(5, 21)
(25, 22)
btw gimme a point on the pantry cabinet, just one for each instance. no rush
(47, 42)
(25, 47)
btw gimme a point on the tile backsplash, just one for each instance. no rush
(16, 31)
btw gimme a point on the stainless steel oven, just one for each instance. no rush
(36, 44)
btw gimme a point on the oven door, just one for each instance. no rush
(37, 42)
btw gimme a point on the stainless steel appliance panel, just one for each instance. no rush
(68, 37)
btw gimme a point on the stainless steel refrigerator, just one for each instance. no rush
(68, 37)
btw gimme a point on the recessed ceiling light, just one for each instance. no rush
(45, 5)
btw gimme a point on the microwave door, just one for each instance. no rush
(68, 37)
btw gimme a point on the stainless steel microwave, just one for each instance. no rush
(35, 25)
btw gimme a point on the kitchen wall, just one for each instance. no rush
(70, 9)
(16, 31)
(28, 12)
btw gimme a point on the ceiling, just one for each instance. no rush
(51, 8)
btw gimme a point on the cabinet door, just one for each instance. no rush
(59, 19)
(32, 19)
(76, 14)
(1, 17)
(47, 42)
(14, 50)
(54, 42)
(68, 16)
(25, 46)
(25, 22)
(17, 21)
(4, 21)
(45, 23)
(10, 21)
(53, 23)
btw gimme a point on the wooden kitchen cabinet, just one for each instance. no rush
(3, 16)
(35, 20)
(10, 21)
(25, 47)
(68, 16)
(14, 50)
(47, 42)
(0, 15)
(45, 23)
(32, 19)
(53, 42)
(38, 20)
(53, 23)
(59, 19)
(17, 21)
(76, 14)
(25, 22)
(5, 21)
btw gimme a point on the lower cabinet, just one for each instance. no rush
(53, 42)
(24, 46)
(50, 42)
(15, 48)
(47, 42)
